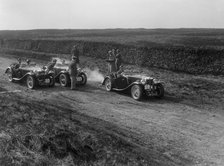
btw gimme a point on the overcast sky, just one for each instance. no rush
(94, 14)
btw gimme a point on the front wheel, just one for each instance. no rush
(136, 92)
(64, 79)
(160, 90)
(9, 74)
(108, 84)
(30, 82)
(84, 79)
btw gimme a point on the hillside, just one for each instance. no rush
(197, 51)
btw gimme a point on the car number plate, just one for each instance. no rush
(147, 87)
(79, 78)
(47, 81)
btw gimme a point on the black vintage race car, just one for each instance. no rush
(138, 86)
(62, 75)
(33, 76)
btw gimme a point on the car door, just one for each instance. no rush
(121, 82)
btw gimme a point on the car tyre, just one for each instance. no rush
(136, 92)
(30, 82)
(160, 90)
(84, 79)
(64, 79)
(9, 74)
(52, 81)
(108, 84)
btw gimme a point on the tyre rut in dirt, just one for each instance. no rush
(136, 92)
(30, 82)
(64, 80)
(84, 78)
(108, 84)
(160, 91)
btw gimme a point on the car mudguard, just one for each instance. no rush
(61, 72)
(129, 86)
(23, 77)
(7, 69)
(103, 83)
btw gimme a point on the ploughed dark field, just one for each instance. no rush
(56, 126)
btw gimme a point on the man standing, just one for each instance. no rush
(118, 60)
(75, 52)
(73, 72)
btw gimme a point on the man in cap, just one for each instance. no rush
(75, 52)
(28, 61)
(73, 72)
(118, 60)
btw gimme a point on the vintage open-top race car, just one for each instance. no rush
(33, 76)
(62, 75)
(137, 85)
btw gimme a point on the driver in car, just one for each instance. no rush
(51, 65)
(120, 72)
(17, 65)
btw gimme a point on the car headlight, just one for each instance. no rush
(156, 81)
(143, 80)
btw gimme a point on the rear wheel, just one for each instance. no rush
(64, 79)
(84, 79)
(108, 84)
(160, 90)
(136, 92)
(30, 82)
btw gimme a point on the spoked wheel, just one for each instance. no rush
(160, 90)
(84, 78)
(64, 79)
(52, 81)
(9, 74)
(136, 92)
(108, 84)
(30, 82)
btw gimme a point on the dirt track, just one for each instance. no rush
(164, 132)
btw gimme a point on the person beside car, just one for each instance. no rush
(75, 52)
(73, 72)
(118, 60)
(28, 62)
(111, 62)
